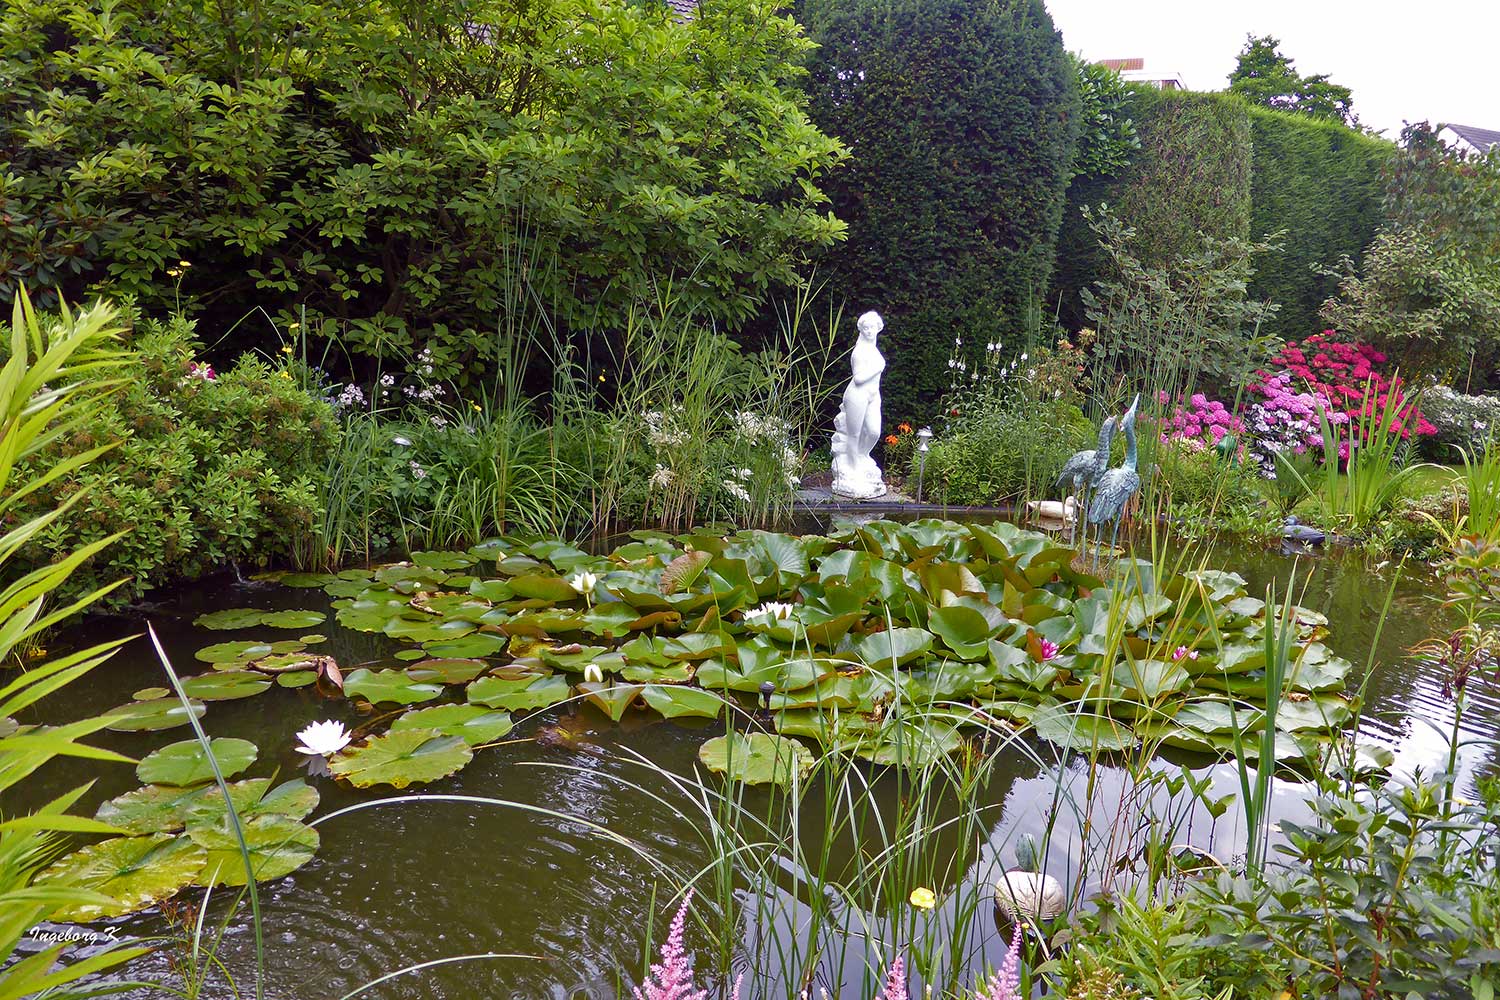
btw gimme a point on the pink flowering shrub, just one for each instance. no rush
(1342, 371)
(1284, 418)
(1203, 421)
(672, 977)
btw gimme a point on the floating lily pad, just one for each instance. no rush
(611, 699)
(246, 650)
(230, 618)
(474, 724)
(253, 797)
(1076, 730)
(134, 872)
(757, 759)
(297, 678)
(468, 647)
(151, 716)
(518, 694)
(389, 686)
(279, 845)
(676, 701)
(306, 580)
(185, 763)
(293, 619)
(151, 693)
(226, 685)
(902, 645)
(448, 671)
(152, 809)
(401, 758)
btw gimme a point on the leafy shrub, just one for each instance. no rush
(965, 116)
(1349, 375)
(1203, 421)
(1459, 420)
(395, 169)
(1198, 476)
(1319, 183)
(210, 468)
(1000, 451)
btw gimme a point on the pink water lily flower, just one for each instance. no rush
(1049, 650)
(1183, 651)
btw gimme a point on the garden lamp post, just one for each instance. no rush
(924, 436)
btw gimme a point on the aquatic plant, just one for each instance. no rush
(322, 738)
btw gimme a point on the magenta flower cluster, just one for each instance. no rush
(1284, 419)
(672, 977)
(1201, 420)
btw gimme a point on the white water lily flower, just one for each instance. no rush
(772, 609)
(592, 674)
(403, 442)
(583, 582)
(323, 738)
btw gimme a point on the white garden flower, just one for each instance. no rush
(737, 491)
(744, 473)
(403, 442)
(323, 738)
(583, 581)
(662, 477)
(775, 610)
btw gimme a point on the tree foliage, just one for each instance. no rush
(398, 168)
(1264, 76)
(1319, 184)
(962, 116)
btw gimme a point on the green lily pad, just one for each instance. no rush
(253, 797)
(293, 619)
(675, 701)
(151, 716)
(225, 685)
(1061, 725)
(134, 872)
(379, 686)
(279, 845)
(230, 618)
(611, 699)
(297, 678)
(402, 758)
(151, 693)
(911, 744)
(519, 694)
(184, 763)
(444, 560)
(757, 759)
(469, 647)
(246, 650)
(152, 809)
(901, 644)
(449, 671)
(474, 724)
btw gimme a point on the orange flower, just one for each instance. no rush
(892, 439)
(904, 428)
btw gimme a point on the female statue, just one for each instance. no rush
(857, 427)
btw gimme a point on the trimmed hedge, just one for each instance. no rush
(1190, 178)
(1321, 183)
(962, 118)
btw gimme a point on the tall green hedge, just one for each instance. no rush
(1190, 178)
(962, 118)
(1321, 183)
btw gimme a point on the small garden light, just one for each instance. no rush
(923, 447)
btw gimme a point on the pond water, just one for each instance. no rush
(417, 881)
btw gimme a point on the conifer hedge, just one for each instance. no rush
(962, 118)
(1320, 182)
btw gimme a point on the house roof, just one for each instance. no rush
(684, 9)
(1121, 65)
(1482, 139)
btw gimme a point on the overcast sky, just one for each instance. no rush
(1433, 60)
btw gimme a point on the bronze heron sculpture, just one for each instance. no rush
(1085, 468)
(1117, 486)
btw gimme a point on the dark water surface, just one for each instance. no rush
(417, 881)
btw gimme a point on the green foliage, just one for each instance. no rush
(1462, 421)
(207, 470)
(1264, 76)
(1190, 180)
(1433, 306)
(1107, 136)
(385, 166)
(1318, 184)
(1198, 477)
(1163, 327)
(993, 451)
(56, 375)
(965, 117)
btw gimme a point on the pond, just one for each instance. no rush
(536, 880)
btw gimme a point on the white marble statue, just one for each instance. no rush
(857, 427)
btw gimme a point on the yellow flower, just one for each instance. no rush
(601, 378)
(285, 374)
(923, 899)
(183, 264)
(293, 326)
(286, 348)
(174, 272)
(477, 407)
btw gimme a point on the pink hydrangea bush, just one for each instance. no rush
(1202, 421)
(1343, 371)
(1284, 419)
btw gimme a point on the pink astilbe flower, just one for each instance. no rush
(1005, 984)
(672, 977)
(895, 981)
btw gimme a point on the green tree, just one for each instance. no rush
(962, 116)
(397, 168)
(1266, 77)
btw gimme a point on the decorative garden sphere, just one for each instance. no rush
(1030, 896)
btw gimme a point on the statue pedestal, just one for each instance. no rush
(858, 490)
